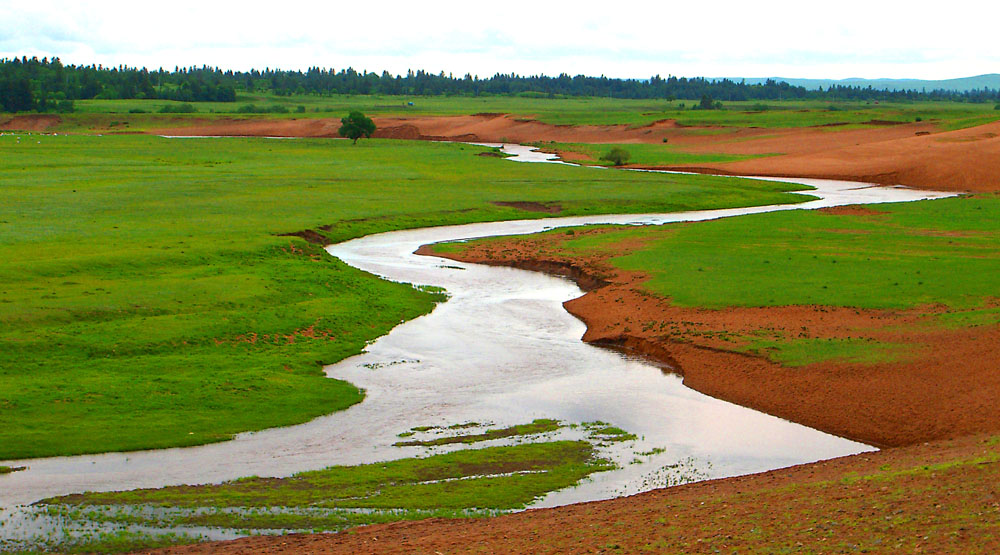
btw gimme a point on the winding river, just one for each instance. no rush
(502, 350)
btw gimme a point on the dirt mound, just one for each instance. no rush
(32, 122)
(531, 206)
(500, 128)
(256, 127)
(963, 160)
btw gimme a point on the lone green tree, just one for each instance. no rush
(356, 125)
(617, 156)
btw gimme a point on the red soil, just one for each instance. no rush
(32, 122)
(963, 160)
(256, 127)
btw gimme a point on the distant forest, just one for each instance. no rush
(48, 85)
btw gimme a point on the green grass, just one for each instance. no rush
(559, 111)
(462, 484)
(642, 154)
(537, 426)
(933, 252)
(801, 352)
(498, 478)
(147, 299)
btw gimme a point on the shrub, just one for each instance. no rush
(997, 107)
(177, 109)
(617, 156)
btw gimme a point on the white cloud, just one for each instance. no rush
(623, 39)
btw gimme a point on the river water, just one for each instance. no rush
(502, 351)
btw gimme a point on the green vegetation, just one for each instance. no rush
(462, 484)
(97, 114)
(30, 84)
(148, 299)
(9, 469)
(900, 256)
(538, 426)
(500, 478)
(355, 126)
(800, 352)
(641, 154)
(604, 432)
(617, 156)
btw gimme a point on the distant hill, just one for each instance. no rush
(962, 84)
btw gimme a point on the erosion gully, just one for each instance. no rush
(501, 350)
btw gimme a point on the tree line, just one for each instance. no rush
(48, 85)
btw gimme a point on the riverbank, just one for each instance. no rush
(886, 375)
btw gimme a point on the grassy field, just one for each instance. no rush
(148, 300)
(900, 256)
(133, 115)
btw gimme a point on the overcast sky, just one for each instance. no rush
(835, 40)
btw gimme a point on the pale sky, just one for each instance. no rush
(870, 39)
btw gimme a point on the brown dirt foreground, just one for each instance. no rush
(938, 498)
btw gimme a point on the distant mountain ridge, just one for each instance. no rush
(961, 84)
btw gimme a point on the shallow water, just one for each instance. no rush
(501, 350)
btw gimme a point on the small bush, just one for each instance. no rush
(177, 109)
(617, 156)
(136, 111)
(997, 107)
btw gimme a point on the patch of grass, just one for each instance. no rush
(10, 469)
(500, 478)
(800, 352)
(538, 426)
(933, 252)
(643, 154)
(971, 318)
(147, 298)
(121, 541)
(602, 431)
